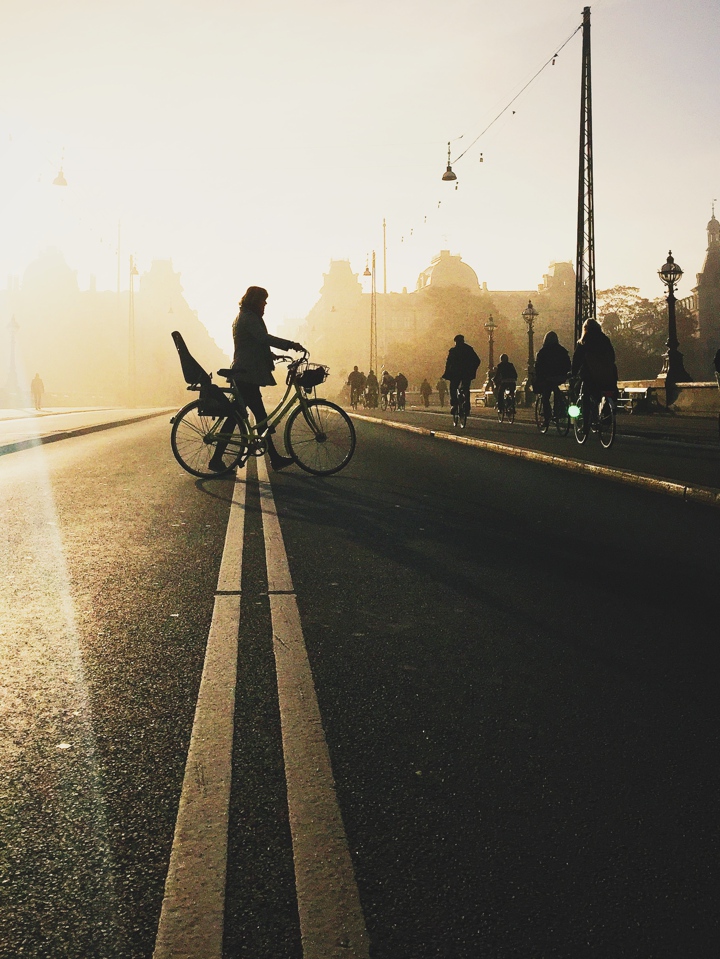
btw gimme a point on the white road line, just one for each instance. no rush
(191, 919)
(331, 919)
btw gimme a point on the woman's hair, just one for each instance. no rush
(254, 297)
(591, 330)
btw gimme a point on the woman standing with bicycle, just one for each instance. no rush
(253, 366)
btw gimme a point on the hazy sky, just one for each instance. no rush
(253, 142)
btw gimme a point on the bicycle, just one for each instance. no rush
(595, 417)
(558, 414)
(461, 409)
(388, 400)
(401, 401)
(319, 436)
(355, 394)
(506, 405)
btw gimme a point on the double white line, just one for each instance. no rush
(191, 920)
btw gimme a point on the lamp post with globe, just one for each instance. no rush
(529, 315)
(490, 326)
(673, 370)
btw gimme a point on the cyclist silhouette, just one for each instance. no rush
(461, 369)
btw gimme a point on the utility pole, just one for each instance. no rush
(384, 259)
(373, 319)
(585, 305)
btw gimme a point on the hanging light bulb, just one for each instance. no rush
(60, 179)
(448, 174)
(367, 268)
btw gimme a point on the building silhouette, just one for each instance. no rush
(79, 339)
(448, 298)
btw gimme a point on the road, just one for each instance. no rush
(515, 667)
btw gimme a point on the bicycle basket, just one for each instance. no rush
(313, 375)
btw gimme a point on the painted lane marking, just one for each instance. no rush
(331, 919)
(192, 914)
(694, 494)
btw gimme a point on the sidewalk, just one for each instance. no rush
(23, 428)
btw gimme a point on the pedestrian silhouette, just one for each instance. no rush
(37, 388)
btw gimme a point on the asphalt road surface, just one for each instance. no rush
(516, 671)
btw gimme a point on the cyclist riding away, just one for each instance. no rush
(461, 369)
(593, 362)
(504, 378)
(372, 389)
(552, 368)
(355, 381)
(253, 367)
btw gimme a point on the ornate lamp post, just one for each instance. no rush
(373, 315)
(490, 326)
(529, 314)
(673, 370)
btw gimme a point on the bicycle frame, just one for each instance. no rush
(254, 437)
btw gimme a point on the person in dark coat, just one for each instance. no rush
(504, 378)
(594, 362)
(401, 384)
(461, 369)
(253, 365)
(552, 368)
(442, 389)
(425, 391)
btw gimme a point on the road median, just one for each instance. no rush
(690, 493)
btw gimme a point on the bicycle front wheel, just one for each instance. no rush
(562, 417)
(195, 439)
(606, 423)
(581, 421)
(320, 437)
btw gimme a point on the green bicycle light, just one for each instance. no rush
(573, 411)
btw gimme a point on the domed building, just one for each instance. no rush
(447, 270)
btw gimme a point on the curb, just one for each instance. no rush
(690, 494)
(81, 431)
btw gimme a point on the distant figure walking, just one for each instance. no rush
(253, 366)
(441, 388)
(461, 369)
(425, 391)
(37, 388)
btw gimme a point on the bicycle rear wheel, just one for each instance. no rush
(383, 401)
(562, 417)
(580, 423)
(195, 439)
(606, 422)
(321, 440)
(510, 408)
(540, 421)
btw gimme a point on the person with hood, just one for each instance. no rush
(253, 366)
(552, 368)
(461, 369)
(593, 362)
(401, 384)
(504, 378)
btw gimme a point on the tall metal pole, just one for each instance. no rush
(373, 319)
(384, 259)
(132, 371)
(585, 305)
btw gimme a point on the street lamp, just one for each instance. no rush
(673, 370)
(529, 314)
(490, 326)
(448, 174)
(373, 315)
